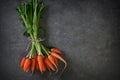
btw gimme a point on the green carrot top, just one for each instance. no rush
(30, 13)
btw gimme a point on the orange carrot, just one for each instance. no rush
(51, 58)
(48, 68)
(41, 63)
(44, 68)
(27, 64)
(33, 65)
(60, 58)
(49, 64)
(36, 63)
(56, 50)
(56, 61)
(22, 62)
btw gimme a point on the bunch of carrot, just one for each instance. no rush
(42, 63)
(39, 56)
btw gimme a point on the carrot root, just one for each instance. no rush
(41, 63)
(49, 64)
(22, 62)
(33, 65)
(51, 58)
(56, 50)
(60, 58)
(27, 65)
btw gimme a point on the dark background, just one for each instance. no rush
(87, 31)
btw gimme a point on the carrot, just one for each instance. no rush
(56, 50)
(44, 68)
(49, 64)
(56, 61)
(22, 62)
(60, 58)
(51, 58)
(36, 63)
(27, 64)
(33, 65)
(41, 63)
(48, 68)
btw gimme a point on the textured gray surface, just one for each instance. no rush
(87, 31)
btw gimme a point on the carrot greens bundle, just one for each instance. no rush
(39, 57)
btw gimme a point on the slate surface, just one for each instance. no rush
(87, 31)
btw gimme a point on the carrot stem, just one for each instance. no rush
(32, 50)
